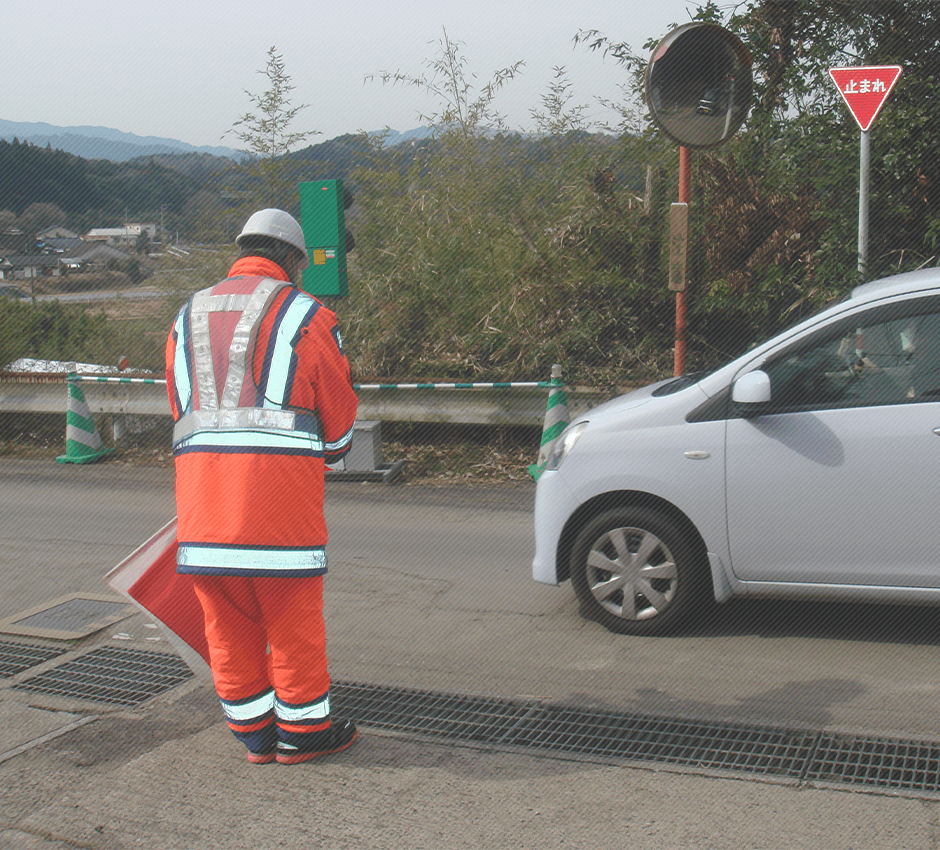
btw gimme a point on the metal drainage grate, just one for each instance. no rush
(882, 762)
(129, 677)
(17, 657)
(804, 756)
(113, 675)
(710, 745)
(479, 719)
(723, 746)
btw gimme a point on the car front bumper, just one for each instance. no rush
(554, 504)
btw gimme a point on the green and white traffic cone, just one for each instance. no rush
(82, 440)
(556, 420)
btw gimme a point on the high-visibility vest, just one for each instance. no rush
(237, 431)
(239, 414)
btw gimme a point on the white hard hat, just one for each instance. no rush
(278, 225)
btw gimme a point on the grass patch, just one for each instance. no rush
(446, 452)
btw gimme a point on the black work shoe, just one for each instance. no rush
(342, 734)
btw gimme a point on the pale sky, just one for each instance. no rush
(180, 69)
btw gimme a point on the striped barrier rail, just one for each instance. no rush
(510, 403)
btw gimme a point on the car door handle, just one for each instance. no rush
(937, 431)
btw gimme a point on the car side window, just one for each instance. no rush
(922, 339)
(889, 355)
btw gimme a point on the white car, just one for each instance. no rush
(807, 468)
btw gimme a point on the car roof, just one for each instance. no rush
(899, 284)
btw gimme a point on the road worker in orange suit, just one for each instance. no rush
(262, 399)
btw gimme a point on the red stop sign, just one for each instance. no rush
(865, 89)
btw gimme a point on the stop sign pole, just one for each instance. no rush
(864, 90)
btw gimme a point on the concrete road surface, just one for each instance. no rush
(429, 588)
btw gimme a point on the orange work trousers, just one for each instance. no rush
(267, 650)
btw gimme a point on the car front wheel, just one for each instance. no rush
(636, 571)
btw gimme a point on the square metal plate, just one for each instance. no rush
(68, 617)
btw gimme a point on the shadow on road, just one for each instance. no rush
(823, 620)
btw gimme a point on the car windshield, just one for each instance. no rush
(687, 380)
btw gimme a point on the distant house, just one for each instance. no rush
(25, 266)
(94, 254)
(55, 232)
(128, 234)
(14, 241)
(63, 245)
(61, 256)
(78, 255)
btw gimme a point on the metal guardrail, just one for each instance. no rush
(458, 403)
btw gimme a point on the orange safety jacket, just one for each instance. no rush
(262, 398)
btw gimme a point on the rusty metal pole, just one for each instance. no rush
(685, 192)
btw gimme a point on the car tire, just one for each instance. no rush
(637, 571)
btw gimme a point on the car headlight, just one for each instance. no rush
(564, 444)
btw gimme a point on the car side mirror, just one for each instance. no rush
(750, 394)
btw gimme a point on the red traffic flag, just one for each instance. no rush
(149, 579)
(865, 89)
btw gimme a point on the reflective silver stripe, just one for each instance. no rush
(251, 440)
(249, 710)
(184, 389)
(242, 417)
(231, 303)
(315, 711)
(202, 351)
(342, 442)
(252, 312)
(234, 557)
(252, 307)
(279, 370)
(220, 422)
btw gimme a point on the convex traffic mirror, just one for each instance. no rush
(698, 85)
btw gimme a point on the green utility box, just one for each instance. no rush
(323, 219)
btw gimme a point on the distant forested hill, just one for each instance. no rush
(194, 194)
(31, 174)
(102, 142)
